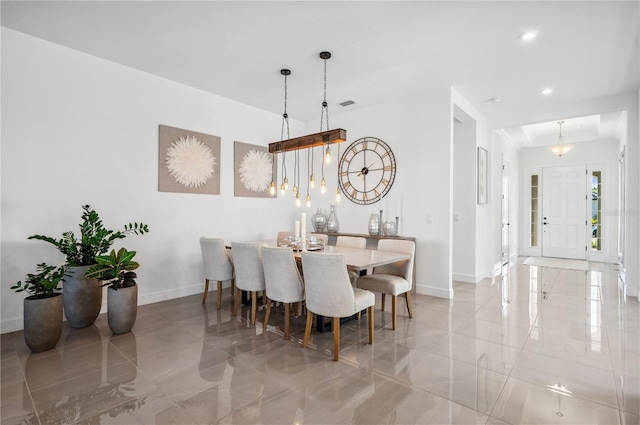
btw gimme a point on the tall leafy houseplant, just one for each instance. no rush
(83, 296)
(94, 240)
(116, 271)
(43, 308)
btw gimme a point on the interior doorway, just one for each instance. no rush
(505, 213)
(564, 212)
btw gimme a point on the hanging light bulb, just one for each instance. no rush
(312, 178)
(323, 186)
(308, 200)
(298, 199)
(327, 155)
(338, 197)
(282, 189)
(286, 183)
(272, 188)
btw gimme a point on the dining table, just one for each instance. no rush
(360, 260)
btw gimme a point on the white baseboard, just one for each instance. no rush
(434, 292)
(466, 278)
(17, 323)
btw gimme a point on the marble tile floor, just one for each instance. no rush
(534, 346)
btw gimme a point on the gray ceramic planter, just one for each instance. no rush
(42, 322)
(122, 308)
(82, 297)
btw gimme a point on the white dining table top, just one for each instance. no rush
(357, 258)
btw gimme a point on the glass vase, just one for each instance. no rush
(319, 221)
(389, 228)
(332, 221)
(374, 225)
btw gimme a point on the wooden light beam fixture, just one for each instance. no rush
(323, 138)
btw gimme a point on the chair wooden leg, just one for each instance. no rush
(219, 294)
(382, 308)
(236, 304)
(233, 288)
(206, 291)
(394, 305)
(370, 314)
(409, 304)
(254, 306)
(267, 312)
(336, 339)
(264, 297)
(307, 328)
(287, 313)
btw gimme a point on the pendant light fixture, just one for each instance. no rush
(285, 122)
(560, 148)
(323, 138)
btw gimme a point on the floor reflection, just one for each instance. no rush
(534, 345)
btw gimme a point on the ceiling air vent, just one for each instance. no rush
(347, 103)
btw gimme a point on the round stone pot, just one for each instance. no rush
(82, 297)
(42, 322)
(122, 308)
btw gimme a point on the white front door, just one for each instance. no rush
(564, 212)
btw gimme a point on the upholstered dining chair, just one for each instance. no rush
(329, 293)
(352, 242)
(283, 235)
(217, 266)
(395, 278)
(247, 262)
(282, 281)
(321, 237)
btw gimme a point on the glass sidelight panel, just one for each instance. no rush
(596, 211)
(533, 242)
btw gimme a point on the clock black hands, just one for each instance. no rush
(365, 170)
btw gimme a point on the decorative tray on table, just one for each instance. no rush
(299, 246)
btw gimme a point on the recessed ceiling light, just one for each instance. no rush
(495, 100)
(546, 92)
(528, 36)
(347, 103)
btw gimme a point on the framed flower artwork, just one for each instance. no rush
(188, 162)
(254, 169)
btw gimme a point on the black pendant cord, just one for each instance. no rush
(285, 123)
(324, 111)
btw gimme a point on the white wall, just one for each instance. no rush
(464, 198)
(419, 131)
(78, 130)
(485, 234)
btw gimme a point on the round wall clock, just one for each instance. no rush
(367, 170)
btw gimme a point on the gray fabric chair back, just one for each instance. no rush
(404, 268)
(351, 241)
(321, 237)
(281, 276)
(248, 266)
(283, 235)
(328, 290)
(217, 265)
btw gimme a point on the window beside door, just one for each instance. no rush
(596, 211)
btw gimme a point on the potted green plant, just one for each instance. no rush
(43, 308)
(83, 296)
(116, 271)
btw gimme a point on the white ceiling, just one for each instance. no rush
(381, 50)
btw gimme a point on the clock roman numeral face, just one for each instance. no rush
(367, 170)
